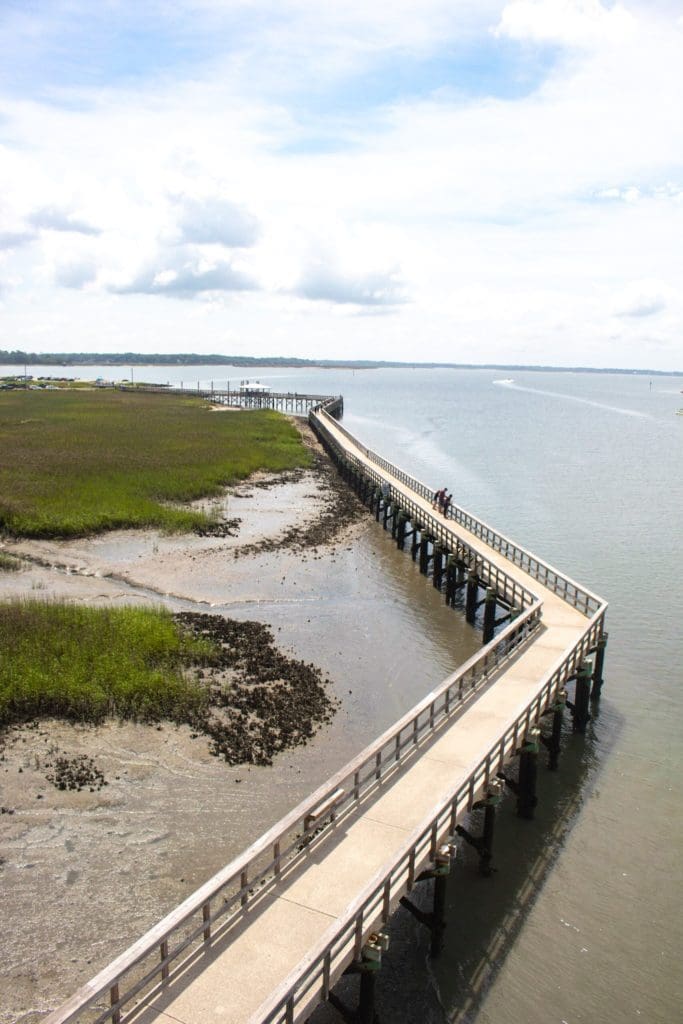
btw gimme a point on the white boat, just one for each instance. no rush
(254, 387)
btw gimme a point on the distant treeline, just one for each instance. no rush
(19, 358)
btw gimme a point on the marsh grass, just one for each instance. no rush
(86, 664)
(8, 563)
(75, 463)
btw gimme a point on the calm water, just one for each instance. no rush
(582, 922)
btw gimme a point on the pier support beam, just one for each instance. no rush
(438, 567)
(553, 742)
(489, 615)
(401, 530)
(580, 706)
(525, 786)
(377, 503)
(598, 667)
(436, 919)
(417, 533)
(367, 968)
(424, 553)
(396, 513)
(471, 600)
(451, 576)
(483, 844)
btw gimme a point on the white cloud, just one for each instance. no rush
(566, 22)
(14, 239)
(642, 299)
(54, 218)
(211, 219)
(76, 272)
(184, 273)
(321, 281)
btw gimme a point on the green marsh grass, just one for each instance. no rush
(75, 463)
(86, 664)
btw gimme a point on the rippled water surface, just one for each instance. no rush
(582, 921)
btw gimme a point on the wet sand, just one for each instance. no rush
(83, 874)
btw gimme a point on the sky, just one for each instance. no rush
(445, 180)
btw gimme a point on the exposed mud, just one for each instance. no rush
(262, 700)
(339, 510)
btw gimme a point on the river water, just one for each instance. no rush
(582, 921)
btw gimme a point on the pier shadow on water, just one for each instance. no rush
(485, 915)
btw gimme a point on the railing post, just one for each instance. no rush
(163, 954)
(113, 1000)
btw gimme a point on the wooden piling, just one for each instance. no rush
(417, 533)
(401, 530)
(598, 667)
(451, 572)
(580, 710)
(471, 599)
(489, 615)
(554, 741)
(440, 554)
(424, 553)
(528, 772)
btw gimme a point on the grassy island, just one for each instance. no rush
(87, 664)
(76, 463)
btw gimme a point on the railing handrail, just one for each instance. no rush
(467, 792)
(482, 528)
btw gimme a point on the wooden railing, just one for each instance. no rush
(554, 580)
(311, 981)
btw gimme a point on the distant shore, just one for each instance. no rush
(25, 359)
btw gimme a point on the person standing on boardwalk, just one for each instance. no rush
(446, 503)
(438, 498)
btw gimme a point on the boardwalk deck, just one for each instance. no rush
(278, 955)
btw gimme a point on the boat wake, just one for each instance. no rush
(576, 398)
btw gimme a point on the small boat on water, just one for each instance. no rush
(254, 387)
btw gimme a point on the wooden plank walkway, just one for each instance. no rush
(283, 949)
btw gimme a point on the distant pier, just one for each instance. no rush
(250, 398)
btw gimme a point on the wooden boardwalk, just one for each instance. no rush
(266, 938)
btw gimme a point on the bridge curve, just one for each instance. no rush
(266, 938)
